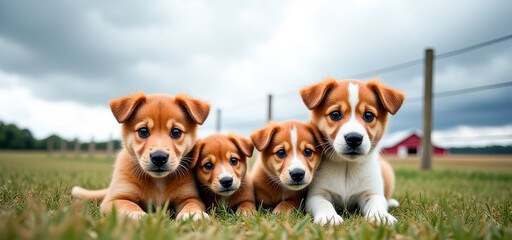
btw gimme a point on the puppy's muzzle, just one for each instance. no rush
(159, 158)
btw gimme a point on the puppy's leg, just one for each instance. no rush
(192, 207)
(375, 208)
(189, 204)
(123, 207)
(389, 182)
(247, 207)
(323, 210)
(286, 206)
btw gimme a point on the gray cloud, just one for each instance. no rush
(233, 54)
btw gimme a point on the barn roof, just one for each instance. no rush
(391, 140)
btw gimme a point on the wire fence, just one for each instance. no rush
(288, 104)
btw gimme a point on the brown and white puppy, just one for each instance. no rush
(290, 153)
(157, 131)
(220, 166)
(351, 115)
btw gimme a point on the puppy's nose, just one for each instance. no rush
(226, 182)
(297, 175)
(159, 158)
(354, 139)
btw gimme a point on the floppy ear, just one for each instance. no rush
(244, 144)
(390, 98)
(312, 96)
(196, 109)
(316, 135)
(196, 152)
(123, 107)
(261, 138)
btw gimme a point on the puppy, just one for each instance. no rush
(220, 166)
(351, 116)
(290, 153)
(157, 131)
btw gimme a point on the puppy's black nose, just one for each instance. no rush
(354, 139)
(226, 182)
(297, 175)
(159, 158)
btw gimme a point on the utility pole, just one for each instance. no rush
(217, 127)
(426, 161)
(269, 107)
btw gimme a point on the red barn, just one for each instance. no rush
(407, 143)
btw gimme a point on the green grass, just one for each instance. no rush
(448, 203)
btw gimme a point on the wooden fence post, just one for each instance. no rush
(426, 160)
(77, 148)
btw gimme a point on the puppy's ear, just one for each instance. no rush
(390, 98)
(123, 108)
(196, 109)
(261, 138)
(312, 96)
(244, 144)
(319, 142)
(196, 153)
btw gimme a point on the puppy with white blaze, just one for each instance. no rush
(351, 116)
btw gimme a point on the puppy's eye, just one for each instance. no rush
(175, 133)
(368, 116)
(307, 152)
(209, 166)
(335, 115)
(233, 161)
(281, 153)
(143, 132)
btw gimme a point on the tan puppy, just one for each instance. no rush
(158, 131)
(220, 166)
(351, 115)
(290, 154)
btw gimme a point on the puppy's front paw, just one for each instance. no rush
(196, 216)
(382, 217)
(134, 215)
(331, 219)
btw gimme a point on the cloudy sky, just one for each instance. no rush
(61, 61)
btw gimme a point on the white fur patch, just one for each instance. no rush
(224, 173)
(352, 126)
(295, 163)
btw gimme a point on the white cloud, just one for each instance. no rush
(43, 118)
(463, 136)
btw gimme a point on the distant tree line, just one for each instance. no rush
(14, 138)
(482, 150)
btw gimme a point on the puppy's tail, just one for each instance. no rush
(81, 193)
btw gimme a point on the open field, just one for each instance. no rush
(464, 197)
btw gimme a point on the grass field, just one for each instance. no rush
(464, 197)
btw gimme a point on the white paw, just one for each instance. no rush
(134, 215)
(196, 216)
(393, 203)
(382, 217)
(331, 219)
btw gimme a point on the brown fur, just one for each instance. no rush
(133, 183)
(269, 171)
(330, 95)
(218, 149)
